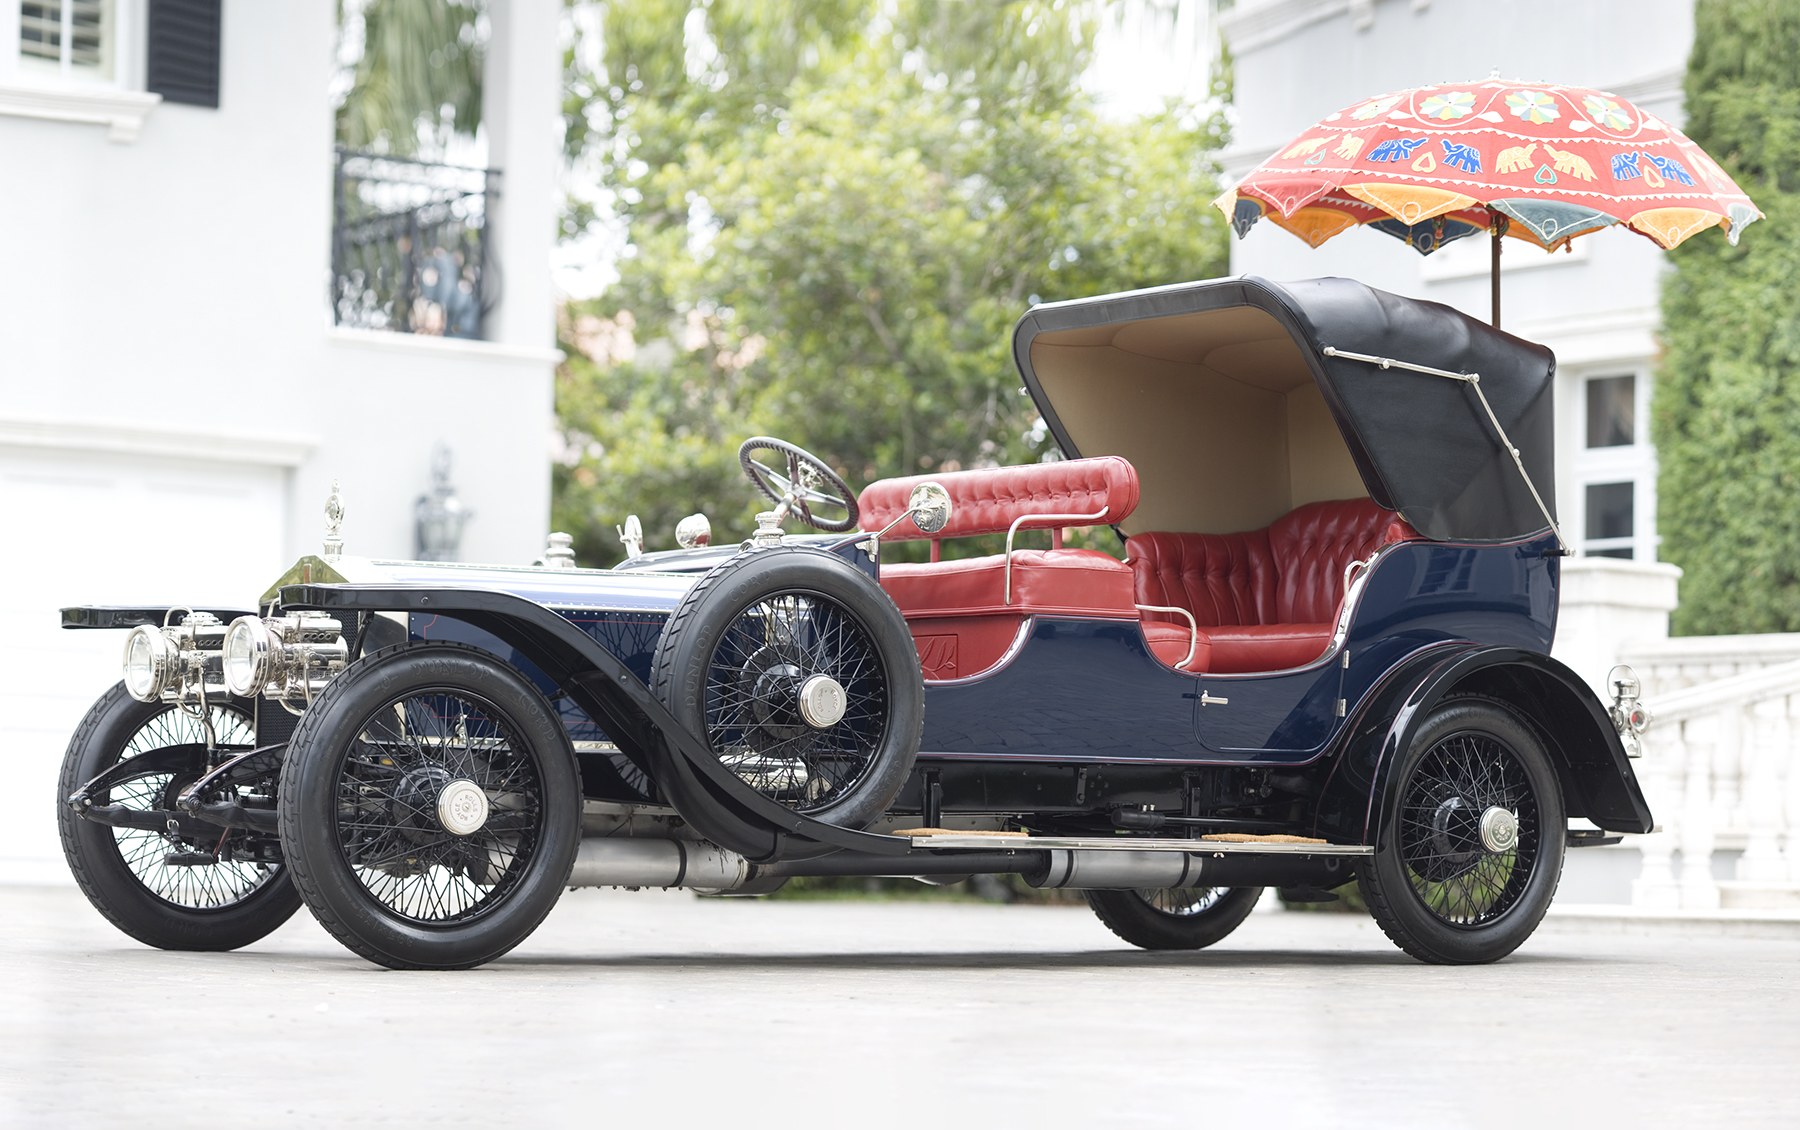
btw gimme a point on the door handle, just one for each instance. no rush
(1209, 700)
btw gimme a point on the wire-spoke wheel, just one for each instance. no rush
(1174, 918)
(1471, 844)
(172, 890)
(802, 678)
(430, 807)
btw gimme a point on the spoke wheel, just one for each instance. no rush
(802, 678)
(1472, 847)
(155, 885)
(1174, 918)
(430, 807)
(757, 698)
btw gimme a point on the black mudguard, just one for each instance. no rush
(707, 795)
(1572, 724)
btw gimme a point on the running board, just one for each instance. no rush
(991, 842)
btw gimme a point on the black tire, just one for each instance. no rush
(747, 637)
(1174, 918)
(368, 772)
(220, 906)
(1441, 888)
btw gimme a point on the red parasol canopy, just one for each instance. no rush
(1531, 160)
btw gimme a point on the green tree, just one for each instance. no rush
(416, 79)
(1726, 415)
(834, 213)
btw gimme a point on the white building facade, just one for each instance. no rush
(176, 395)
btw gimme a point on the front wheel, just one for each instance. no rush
(430, 807)
(1471, 843)
(802, 677)
(164, 888)
(1174, 918)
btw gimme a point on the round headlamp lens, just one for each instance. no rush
(246, 656)
(145, 663)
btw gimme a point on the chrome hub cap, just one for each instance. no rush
(822, 701)
(462, 807)
(1499, 830)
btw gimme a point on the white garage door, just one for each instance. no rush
(94, 528)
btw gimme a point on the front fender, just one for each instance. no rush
(1596, 776)
(710, 797)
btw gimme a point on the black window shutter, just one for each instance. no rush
(182, 62)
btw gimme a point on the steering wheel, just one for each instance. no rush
(803, 481)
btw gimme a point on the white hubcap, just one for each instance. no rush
(462, 808)
(1499, 830)
(822, 701)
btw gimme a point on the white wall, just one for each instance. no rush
(179, 282)
(164, 329)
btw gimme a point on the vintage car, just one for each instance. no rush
(1320, 654)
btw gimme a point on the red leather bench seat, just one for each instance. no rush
(1264, 600)
(1055, 582)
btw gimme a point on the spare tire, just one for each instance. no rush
(801, 677)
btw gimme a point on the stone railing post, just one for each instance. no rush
(1663, 774)
(1729, 760)
(1791, 756)
(1765, 764)
(1704, 736)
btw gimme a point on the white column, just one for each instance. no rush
(1608, 606)
(1704, 735)
(1765, 756)
(521, 98)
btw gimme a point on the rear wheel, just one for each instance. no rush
(160, 887)
(1470, 851)
(1174, 918)
(430, 807)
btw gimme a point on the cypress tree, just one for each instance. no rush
(1726, 412)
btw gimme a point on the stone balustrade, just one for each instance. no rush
(1722, 771)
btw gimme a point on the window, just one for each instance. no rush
(72, 40)
(1611, 411)
(1615, 468)
(1610, 519)
(108, 62)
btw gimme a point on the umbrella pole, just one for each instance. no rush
(1494, 275)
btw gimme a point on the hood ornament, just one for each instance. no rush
(334, 524)
(631, 536)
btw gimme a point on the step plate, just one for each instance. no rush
(1132, 843)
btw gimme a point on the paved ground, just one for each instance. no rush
(638, 1007)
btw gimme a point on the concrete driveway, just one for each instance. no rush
(640, 1008)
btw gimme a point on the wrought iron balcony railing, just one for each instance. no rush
(409, 245)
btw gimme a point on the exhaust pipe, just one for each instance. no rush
(603, 862)
(1150, 870)
(1116, 870)
(654, 862)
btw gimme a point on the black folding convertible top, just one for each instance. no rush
(1423, 444)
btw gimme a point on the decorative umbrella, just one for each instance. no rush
(1530, 160)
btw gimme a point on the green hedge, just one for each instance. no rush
(1726, 414)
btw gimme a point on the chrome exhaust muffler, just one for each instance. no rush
(635, 862)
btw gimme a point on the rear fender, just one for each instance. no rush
(1547, 697)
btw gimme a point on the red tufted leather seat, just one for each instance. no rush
(989, 500)
(1263, 599)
